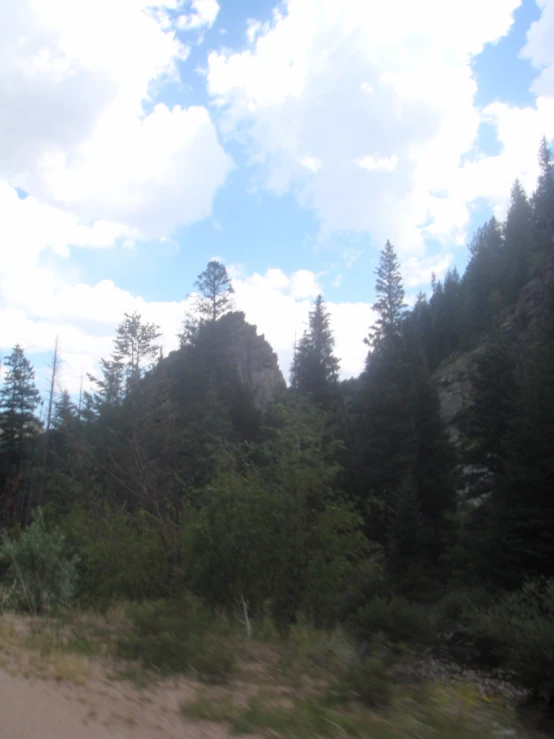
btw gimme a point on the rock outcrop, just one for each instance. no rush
(254, 359)
(229, 350)
(455, 377)
(455, 382)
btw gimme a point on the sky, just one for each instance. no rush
(290, 141)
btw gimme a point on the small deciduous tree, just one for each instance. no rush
(38, 569)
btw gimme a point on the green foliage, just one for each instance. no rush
(396, 617)
(315, 369)
(520, 631)
(216, 292)
(457, 607)
(370, 679)
(19, 427)
(277, 533)
(179, 636)
(390, 305)
(121, 555)
(39, 572)
(406, 531)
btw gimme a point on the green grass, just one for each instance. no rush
(179, 638)
(308, 716)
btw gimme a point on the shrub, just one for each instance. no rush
(396, 617)
(457, 607)
(178, 636)
(121, 555)
(371, 679)
(38, 573)
(520, 631)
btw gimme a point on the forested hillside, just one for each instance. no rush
(338, 503)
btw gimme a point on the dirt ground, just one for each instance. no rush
(33, 708)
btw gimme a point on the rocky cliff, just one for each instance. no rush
(455, 377)
(229, 350)
(254, 359)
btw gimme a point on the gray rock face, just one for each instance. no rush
(455, 379)
(256, 362)
(455, 389)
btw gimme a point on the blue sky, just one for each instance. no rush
(138, 141)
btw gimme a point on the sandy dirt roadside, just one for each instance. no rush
(40, 709)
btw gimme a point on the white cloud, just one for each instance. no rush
(540, 49)
(279, 305)
(363, 89)
(204, 14)
(77, 128)
(417, 272)
(373, 164)
(85, 318)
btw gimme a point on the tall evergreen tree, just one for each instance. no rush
(488, 419)
(135, 351)
(65, 412)
(19, 398)
(482, 279)
(543, 201)
(216, 292)
(384, 425)
(523, 500)
(315, 368)
(517, 244)
(390, 305)
(136, 347)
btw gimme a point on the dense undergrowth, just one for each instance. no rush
(346, 680)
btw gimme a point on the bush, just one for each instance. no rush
(519, 630)
(178, 636)
(121, 555)
(396, 617)
(38, 573)
(457, 607)
(371, 680)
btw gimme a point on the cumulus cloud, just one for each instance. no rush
(79, 127)
(539, 49)
(364, 110)
(203, 14)
(102, 162)
(279, 303)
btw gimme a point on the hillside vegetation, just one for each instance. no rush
(329, 533)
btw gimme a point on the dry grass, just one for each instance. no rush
(293, 688)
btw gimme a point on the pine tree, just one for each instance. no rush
(315, 368)
(19, 398)
(523, 502)
(385, 425)
(216, 292)
(390, 305)
(135, 347)
(517, 244)
(488, 419)
(65, 412)
(406, 537)
(135, 351)
(543, 201)
(434, 463)
(481, 279)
